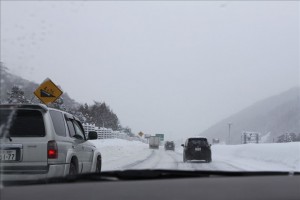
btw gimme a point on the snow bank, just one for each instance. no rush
(118, 153)
(269, 157)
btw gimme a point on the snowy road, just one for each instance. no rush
(161, 159)
(121, 154)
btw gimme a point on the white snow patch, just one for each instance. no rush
(117, 153)
(266, 157)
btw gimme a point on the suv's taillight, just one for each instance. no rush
(52, 149)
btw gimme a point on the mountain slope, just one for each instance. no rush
(274, 116)
(8, 80)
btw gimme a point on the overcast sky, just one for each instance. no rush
(163, 67)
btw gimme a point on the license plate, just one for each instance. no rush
(8, 155)
(197, 149)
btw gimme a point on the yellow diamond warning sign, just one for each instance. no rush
(48, 92)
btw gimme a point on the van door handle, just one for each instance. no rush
(73, 146)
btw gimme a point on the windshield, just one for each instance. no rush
(168, 85)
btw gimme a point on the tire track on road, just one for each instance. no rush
(173, 156)
(216, 164)
(138, 162)
(160, 159)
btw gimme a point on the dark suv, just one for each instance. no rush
(169, 145)
(196, 148)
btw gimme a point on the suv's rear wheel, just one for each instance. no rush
(98, 164)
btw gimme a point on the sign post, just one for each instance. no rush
(48, 92)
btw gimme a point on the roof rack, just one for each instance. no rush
(25, 106)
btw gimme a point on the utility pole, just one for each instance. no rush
(229, 126)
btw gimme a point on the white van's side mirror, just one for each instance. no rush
(93, 135)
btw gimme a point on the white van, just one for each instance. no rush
(37, 142)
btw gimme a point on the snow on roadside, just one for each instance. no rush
(267, 157)
(117, 153)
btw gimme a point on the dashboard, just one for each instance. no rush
(257, 187)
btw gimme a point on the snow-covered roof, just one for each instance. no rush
(197, 136)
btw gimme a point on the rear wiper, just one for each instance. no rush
(8, 136)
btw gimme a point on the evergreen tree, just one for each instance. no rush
(288, 137)
(58, 104)
(84, 110)
(100, 114)
(128, 131)
(16, 95)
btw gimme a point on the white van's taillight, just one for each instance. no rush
(52, 149)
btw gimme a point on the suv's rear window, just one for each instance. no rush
(198, 141)
(24, 123)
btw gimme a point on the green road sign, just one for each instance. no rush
(161, 136)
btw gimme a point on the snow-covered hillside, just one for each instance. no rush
(122, 154)
(269, 157)
(274, 116)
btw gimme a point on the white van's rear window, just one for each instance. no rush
(22, 123)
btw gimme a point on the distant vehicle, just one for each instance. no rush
(154, 142)
(42, 142)
(215, 140)
(196, 148)
(169, 145)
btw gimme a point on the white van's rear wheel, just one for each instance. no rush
(98, 164)
(73, 169)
